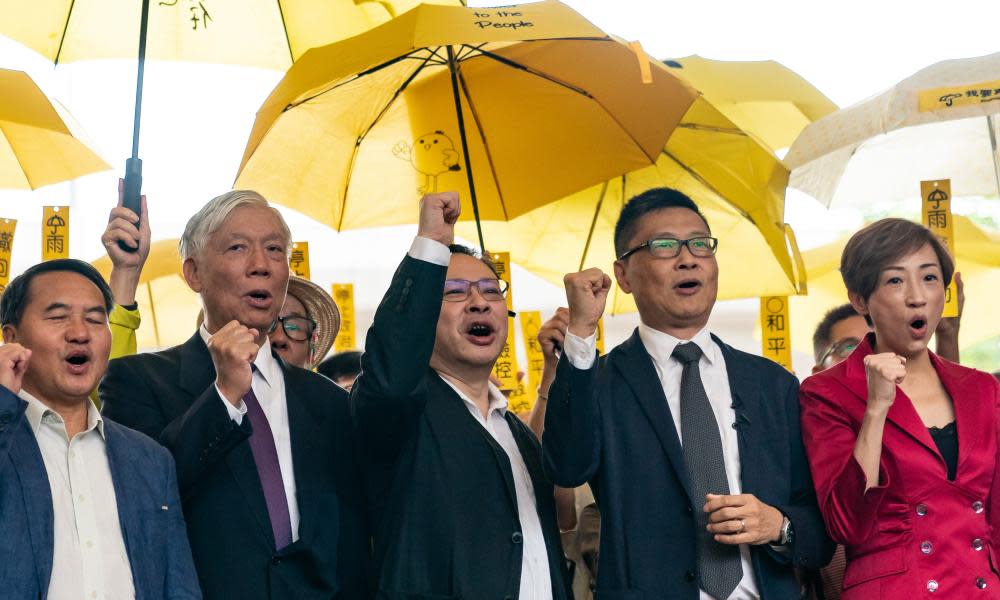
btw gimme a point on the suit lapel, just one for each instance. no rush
(744, 387)
(27, 461)
(638, 371)
(302, 427)
(971, 413)
(197, 371)
(128, 503)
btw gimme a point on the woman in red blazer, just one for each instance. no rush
(902, 443)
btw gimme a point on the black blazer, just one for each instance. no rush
(611, 425)
(441, 488)
(171, 396)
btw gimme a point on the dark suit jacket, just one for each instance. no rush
(611, 425)
(149, 511)
(883, 528)
(442, 489)
(171, 396)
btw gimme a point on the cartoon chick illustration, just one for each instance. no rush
(431, 154)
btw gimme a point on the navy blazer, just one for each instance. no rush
(149, 511)
(611, 425)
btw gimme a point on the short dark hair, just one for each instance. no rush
(483, 257)
(645, 203)
(15, 296)
(876, 246)
(821, 338)
(341, 364)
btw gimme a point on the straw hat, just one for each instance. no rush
(320, 307)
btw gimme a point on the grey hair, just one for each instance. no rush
(211, 216)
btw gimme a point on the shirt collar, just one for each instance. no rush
(498, 402)
(38, 413)
(661, 345)
(265, 362)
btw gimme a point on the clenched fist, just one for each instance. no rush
(884, 372)
(233, 349)
(438, 215)
(587, 294)
(13, 364)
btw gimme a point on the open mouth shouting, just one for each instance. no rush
(260, 299)
(77, 361)
(480, 333)
(918, 327)
(688, 287)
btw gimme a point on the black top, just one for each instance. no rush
(946, 439)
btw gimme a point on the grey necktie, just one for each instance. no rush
(719, 565)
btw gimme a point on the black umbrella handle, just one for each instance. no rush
(132, 193)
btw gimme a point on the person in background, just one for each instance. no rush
(307, 324)
(90, 508)
(902, 443)
(343, 368)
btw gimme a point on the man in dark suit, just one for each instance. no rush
(90, 509)
(462, 506)
(692, 447)
(264, 450)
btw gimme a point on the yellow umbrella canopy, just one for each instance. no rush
(977, 257)
(261, 33)
(168, 307)
(358, 130)
(737, 182)
(36, 146)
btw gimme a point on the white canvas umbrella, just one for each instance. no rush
(940, 123)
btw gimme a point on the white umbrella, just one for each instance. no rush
(937, 124)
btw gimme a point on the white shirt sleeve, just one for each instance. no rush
(580, 352)
(235, 414)
(431, 251)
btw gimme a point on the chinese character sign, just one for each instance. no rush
(343, 295)
(936, 210)
(298, 262)
(55, 232)
(531, 322)
(506, 365)
(6, 245)
(775, 328)
(963, 95)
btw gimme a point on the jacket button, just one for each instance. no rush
(977, 507)
(977, 544)
(980, 583)
(921, 509)
(932, 586)
(926, 547)
(689, 575)
(408, 282)
(516, 537)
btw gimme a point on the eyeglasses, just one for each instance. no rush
(296, 328)
(701, 247)
(458, 290)
(840, 349)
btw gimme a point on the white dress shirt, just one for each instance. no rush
(535, 581)
(268, 385)
(89, 559)
(660, 346)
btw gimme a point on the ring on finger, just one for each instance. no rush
(743, 526)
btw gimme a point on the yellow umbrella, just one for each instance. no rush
(168, 306)
(550, 104)
(36, 146)
(977, 258)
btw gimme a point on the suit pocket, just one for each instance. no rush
(874, 565)
(619, 595)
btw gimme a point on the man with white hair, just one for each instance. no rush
(264, 450)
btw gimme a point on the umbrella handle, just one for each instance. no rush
(132, 192)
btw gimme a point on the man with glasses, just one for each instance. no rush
(306, 326)
(692, 447)
(461, 505)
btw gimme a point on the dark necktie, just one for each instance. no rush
(718, 564)
(265, 455)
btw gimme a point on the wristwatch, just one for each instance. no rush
(787, 532)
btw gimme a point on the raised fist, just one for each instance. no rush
(587, 294)
(233, 349)
(438, 214)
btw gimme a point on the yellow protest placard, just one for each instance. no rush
(936, 214)
(343, 295)
(776, 333)
(531, 322)
(962, 95)
(505, 368)
(298, 262)
(7, 227)
(600, 336)
(55, 232)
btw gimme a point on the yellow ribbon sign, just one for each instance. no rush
(505, 368)
(343, 294)
(531, 322)
(299, 260)
(55, 232)
(775, 327)
(936, 210)
(7, 227)
(962, 95)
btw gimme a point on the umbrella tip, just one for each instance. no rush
(673, 63)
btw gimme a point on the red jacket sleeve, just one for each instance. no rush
(849, 512)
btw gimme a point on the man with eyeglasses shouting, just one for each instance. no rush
(692, 447)
(461, 505)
